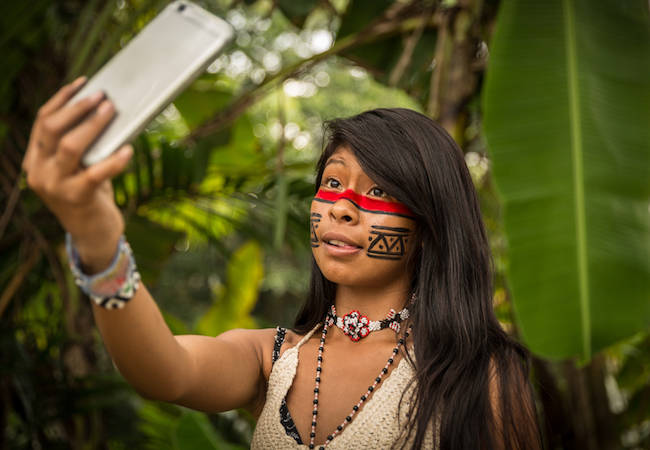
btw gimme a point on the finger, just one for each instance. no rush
(38, 139)
(61, 97)
(95, 175)
(75, 142)
(55, 102)
(31, 149)
(56, 124)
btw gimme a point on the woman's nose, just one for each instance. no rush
(345, 211)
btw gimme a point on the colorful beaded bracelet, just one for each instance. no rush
(113, 287)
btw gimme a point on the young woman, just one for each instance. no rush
(397, 345)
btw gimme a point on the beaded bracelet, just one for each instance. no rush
(113, 287)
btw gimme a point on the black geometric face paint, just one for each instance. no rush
(314, 219)
(387, 242)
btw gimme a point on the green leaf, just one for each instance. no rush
(233, 305)
(378, 55)
(634, 371)
(176, 325)
(152, 245)
(567, 107)
(201, 101)
(156, 424)
(242, 153)
(194, 431)
(360, 14)
(381, 56)
(297, 11)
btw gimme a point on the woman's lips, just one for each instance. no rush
(341, 251)
(339, 245)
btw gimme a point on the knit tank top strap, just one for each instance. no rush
(306, 337)
(269, 425)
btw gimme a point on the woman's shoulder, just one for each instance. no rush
(267, 341)
(266, 337)
(263, 337)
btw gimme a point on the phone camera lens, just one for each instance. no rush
(181, 7)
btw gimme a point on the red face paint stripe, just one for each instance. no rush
(364, 203)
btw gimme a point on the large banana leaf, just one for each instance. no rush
(567, 118)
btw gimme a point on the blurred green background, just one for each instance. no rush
(550, 101)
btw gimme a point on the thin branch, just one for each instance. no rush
(439, 63)
(18, 278)
(7, 166)
(409, 48)
(42, 244)
(13, 192)
(237, 107)
(281, 200)
(9, 210)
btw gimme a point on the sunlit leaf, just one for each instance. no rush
(241, 154)
(233, 305)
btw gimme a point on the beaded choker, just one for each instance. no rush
(356, 326)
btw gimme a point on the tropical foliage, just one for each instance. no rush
(582, 213)
(216, 199)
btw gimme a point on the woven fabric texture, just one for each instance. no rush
(375, 426)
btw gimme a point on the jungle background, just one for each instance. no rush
(550, 102)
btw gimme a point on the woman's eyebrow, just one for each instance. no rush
(335, 161)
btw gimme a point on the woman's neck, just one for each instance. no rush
(373, 303)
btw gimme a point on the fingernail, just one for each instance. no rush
(79, 81)
(97, 96)
(126, 152)
(105, 107)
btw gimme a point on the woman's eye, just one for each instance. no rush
(376, 192)
(332, 183)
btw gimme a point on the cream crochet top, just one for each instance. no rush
(375, 426)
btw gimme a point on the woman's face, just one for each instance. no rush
(360, 235)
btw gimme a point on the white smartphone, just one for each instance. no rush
(153, 68)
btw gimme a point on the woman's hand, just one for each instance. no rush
(81, 198)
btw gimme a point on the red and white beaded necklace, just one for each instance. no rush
(330, 320)
(356, 326)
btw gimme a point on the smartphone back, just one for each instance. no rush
(152, 69)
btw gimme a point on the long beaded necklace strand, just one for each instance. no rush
(329, 321)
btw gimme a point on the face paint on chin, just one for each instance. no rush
(388, 242)
(365, 204)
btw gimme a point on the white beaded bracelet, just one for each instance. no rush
(113, 287)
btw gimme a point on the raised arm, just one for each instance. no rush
(201, 372)
(212, 374)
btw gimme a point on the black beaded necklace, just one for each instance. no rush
(330, 321)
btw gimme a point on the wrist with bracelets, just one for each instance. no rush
(113, 287)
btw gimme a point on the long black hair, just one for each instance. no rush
(469, 373)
